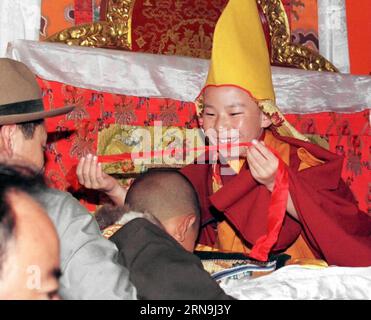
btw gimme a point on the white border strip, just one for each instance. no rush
(181, 78)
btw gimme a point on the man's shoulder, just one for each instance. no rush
(62, 206)
(53, 197)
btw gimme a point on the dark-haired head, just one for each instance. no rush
(29, 244)
(13, 179)
(24, 142)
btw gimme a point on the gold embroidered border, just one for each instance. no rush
(120, 12)
(118, 139)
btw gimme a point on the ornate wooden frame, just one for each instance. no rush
(284, 52)
(115, 32)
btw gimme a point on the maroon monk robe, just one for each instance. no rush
(330, 221)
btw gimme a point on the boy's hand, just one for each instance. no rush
(263, 164)
(90, 175)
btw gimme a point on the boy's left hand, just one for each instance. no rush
(263, 164)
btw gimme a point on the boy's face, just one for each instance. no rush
(231, 116)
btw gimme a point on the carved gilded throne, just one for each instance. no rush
(172, 27)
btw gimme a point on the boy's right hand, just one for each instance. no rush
(90, 175)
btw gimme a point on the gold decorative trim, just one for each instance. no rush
(120, 12)
(98, 34)
(116, 33)
(113, 33)
(285, 52)
(111, 230)
(283, 127)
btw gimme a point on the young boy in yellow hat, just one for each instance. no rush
(282, 186)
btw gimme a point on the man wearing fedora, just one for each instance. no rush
(88, 261)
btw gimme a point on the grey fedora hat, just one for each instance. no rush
(20, 95)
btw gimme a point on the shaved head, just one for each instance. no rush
(164, 193)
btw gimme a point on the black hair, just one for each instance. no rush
(13, 178)
(28, 128)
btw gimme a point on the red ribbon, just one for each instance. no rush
(276, 214)
(153, 154)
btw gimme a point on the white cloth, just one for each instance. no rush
(333, 33)
(181, 78)
(298, 282)
(19, 19)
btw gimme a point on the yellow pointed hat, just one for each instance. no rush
(240, 58)
(240, 54)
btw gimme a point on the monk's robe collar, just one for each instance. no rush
(324, 176)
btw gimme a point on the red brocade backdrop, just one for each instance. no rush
(302, 14)
(76, 135)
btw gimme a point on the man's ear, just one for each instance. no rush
(265, 121)
(7, 137)
(184, 225)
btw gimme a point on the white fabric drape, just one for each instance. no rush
(333, 34)
(181, 78)
(19, 19)
(299, 282)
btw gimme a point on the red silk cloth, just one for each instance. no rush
(76, 135)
